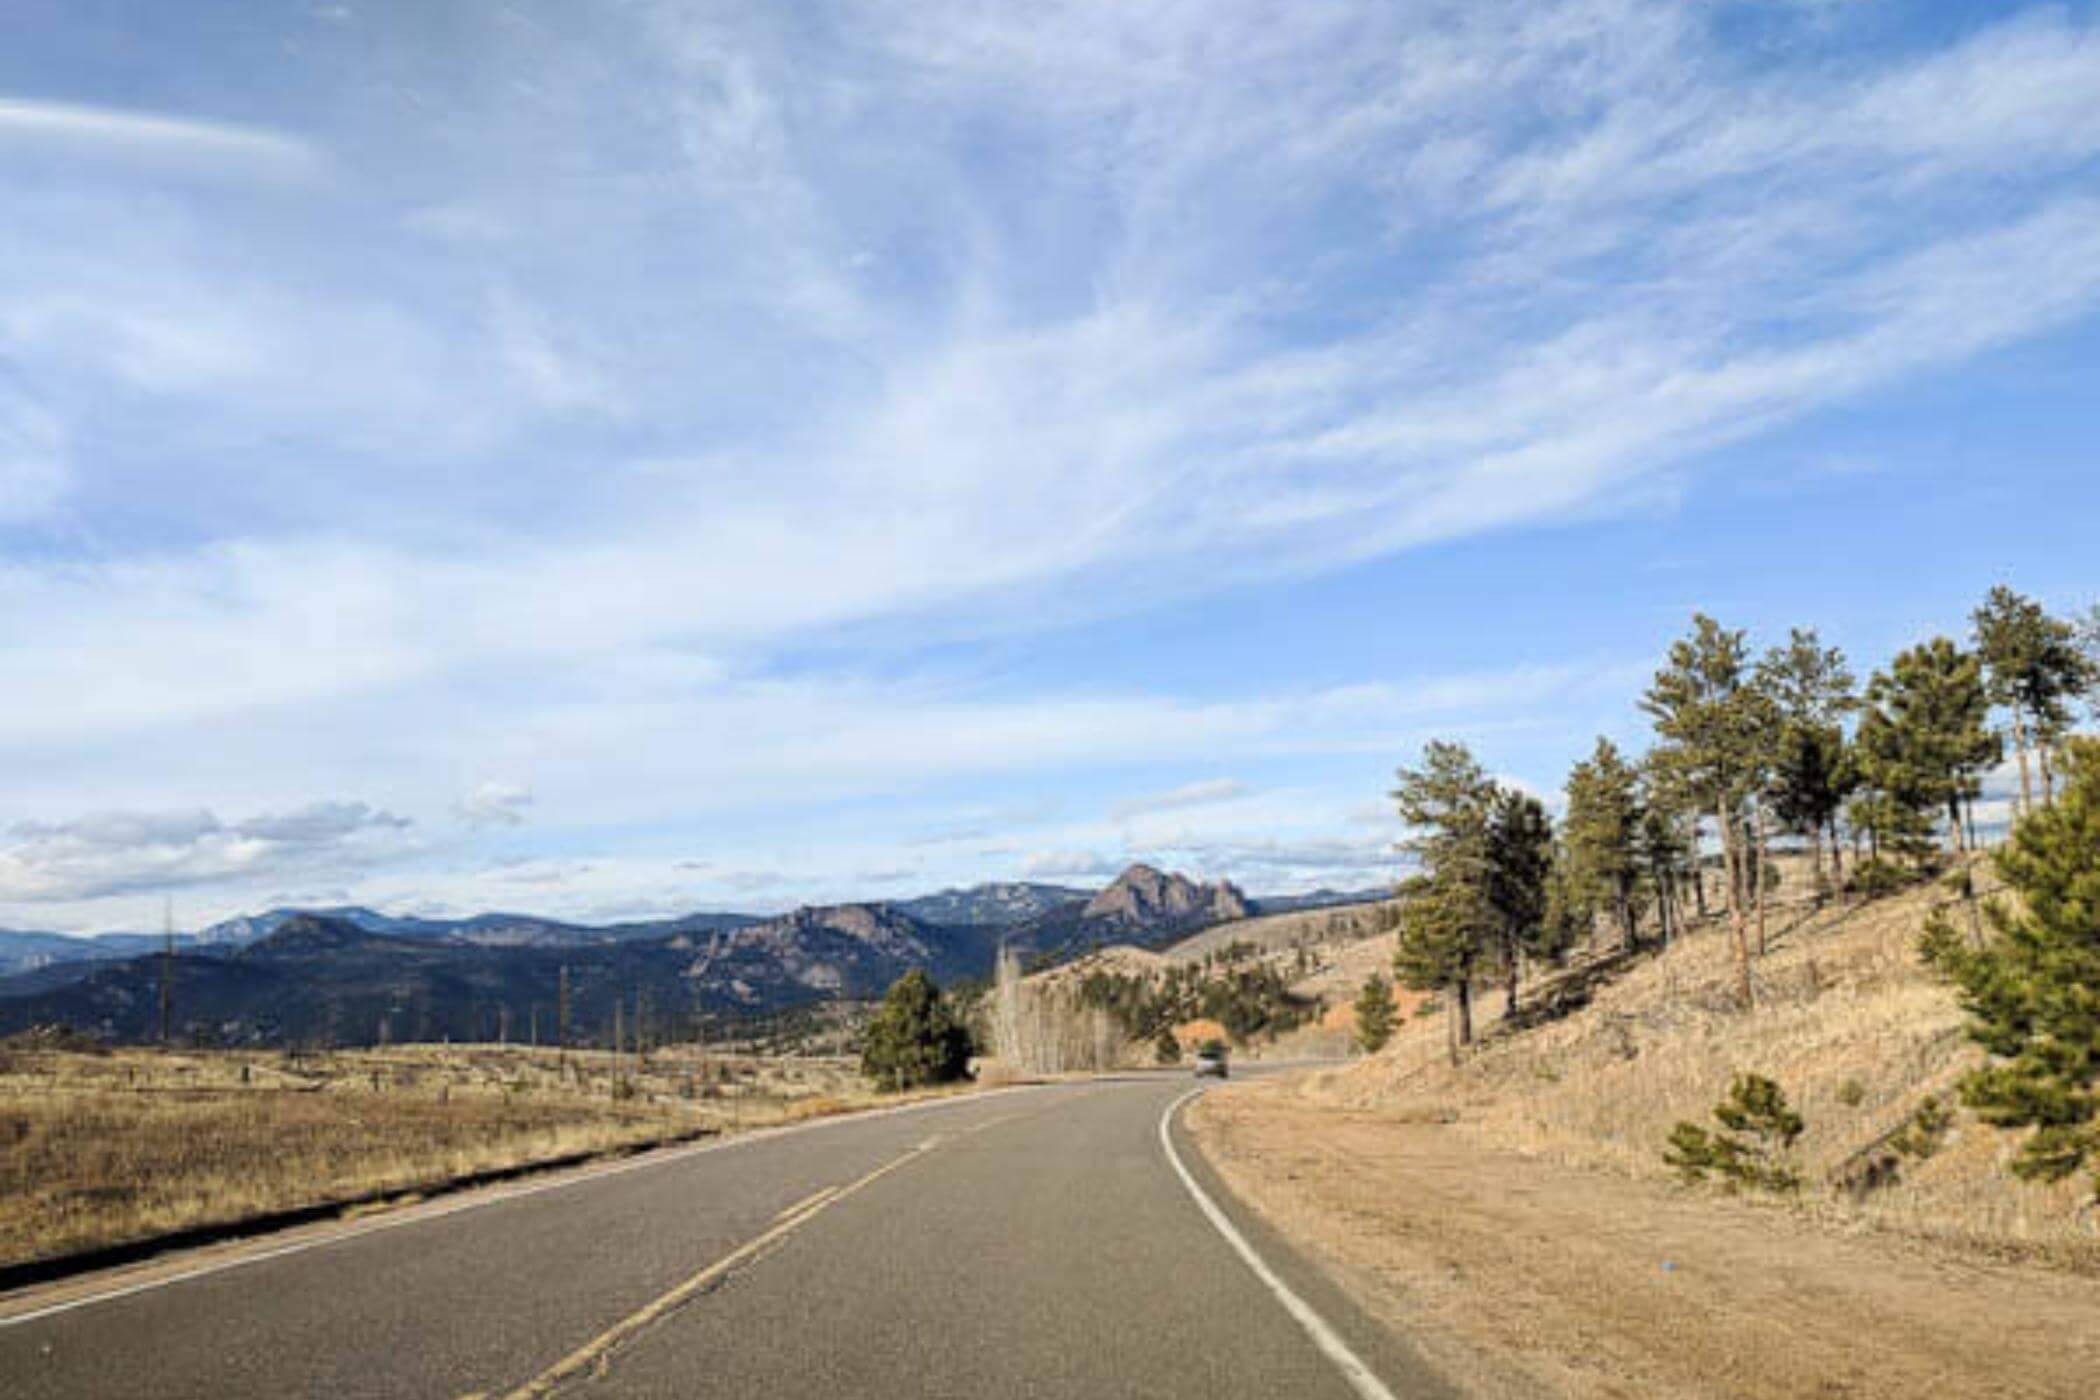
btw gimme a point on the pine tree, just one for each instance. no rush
(1708, 716)
(1520, 868)
(2035, 668)
(914, 1038)
(1926, 740)
(1447, 921)
(1374, 1014)
(1604, 834)
(1444, 922)
(1666, 844)
(2033, 991)
(1809, 776)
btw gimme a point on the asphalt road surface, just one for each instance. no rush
(1033, 1242)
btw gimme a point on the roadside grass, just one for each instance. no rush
(1849, 1021)
(97, 1149)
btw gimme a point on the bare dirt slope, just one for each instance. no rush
(1523, 1277)
(1519, 1204)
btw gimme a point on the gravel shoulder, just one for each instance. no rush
(1519, 1276)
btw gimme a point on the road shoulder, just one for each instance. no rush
(1519, 1277)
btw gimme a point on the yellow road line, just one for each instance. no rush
(806, 1202)
(587, 1355)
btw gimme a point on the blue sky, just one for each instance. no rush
(614, 459)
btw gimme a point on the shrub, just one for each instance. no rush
(1761, 1129)
(1922, 1136)
(1374, 1014)
(914, 1038)
(1873, 878)
(1167, 1047)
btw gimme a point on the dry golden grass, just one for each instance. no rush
(1849, 1022)
(97, 1149)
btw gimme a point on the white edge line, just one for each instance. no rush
(1360, 1377)
(499, 1195)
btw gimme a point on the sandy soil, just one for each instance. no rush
(1520, 1276)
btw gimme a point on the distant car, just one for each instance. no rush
(1210, 1061)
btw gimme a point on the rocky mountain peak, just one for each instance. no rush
(1147, 897)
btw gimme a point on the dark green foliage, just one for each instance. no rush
(1248, 1001)
(1712, 721)
(1927, 1129)
(2033, 990)
(1166, 1046)
(1761, 1130)
(2035, 667)
(1448, 920)
(1374, 1014)
(914, 1038)
(1872, 879)
(1519, 884)
(1603, 833)
(1924, 742)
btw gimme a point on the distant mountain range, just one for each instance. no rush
(353, 975)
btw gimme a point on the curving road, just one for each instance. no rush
(1035, 1242)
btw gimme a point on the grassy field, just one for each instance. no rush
(98, 1148)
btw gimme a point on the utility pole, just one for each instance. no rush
(167, 968)
(561, 1019)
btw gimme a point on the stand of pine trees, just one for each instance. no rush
(1749, 750)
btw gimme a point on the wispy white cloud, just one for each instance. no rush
(199, 144)
(114, 853)
(1202, 793)
(924, 323)
(494, 804)
(1067, 865)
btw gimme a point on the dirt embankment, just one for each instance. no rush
(1520, 1277)
(1516, 1215)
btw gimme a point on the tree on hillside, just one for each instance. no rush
(1810, 689)
(1707, 716)
(1926, 740)
(1663, 849)
(2089, 648)
(914, 1038)
(1374, 1014)
(2035, 668)
(1443, 925)
(1447, 920)
(2033, 991)
(1603, 831)
(1520, 869)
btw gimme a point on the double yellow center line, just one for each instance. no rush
(592, 1352)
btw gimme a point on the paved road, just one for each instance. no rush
(1037, 1242)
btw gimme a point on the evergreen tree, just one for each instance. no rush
(1926, 740)
(2035, 669)
(1374, 1014)
(1809, 776)
(1603, 829)
(1708, 717)
(1663, 848)
(1444, 923)
(2033, 991)
(914, 1037)
(2089, 648)
(1447, 920)
(1520, 868)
